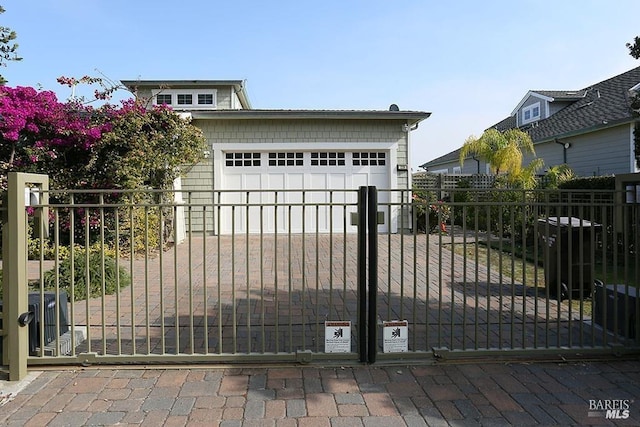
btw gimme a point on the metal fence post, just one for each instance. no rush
(14, 242)
(362, 273)
(372, 225)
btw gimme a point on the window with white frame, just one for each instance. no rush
(205, 99)
(286, 159)
(457, 169)
(164, 98)
(327, 159)
(186, 98)
(369, 159)
(242, 159)
(531, 113)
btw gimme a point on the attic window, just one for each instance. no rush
(186, 98)
(163, 98)
(531, 113)
(205, 99)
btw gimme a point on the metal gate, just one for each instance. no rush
(473, 285)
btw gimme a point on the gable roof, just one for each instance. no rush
(602, 105)
(550, 96)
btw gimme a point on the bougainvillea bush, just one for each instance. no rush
(125, 146)
(40, 134)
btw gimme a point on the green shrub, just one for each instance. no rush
(112, 276)
(430, 212)
(590, 183)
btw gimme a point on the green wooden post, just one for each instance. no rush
(15, 268)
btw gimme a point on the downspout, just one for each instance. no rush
(565, 146)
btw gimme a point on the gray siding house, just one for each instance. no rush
(256, 149)
(591, 129)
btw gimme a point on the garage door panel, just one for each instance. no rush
(274, 218)
(317, 216)
(316, 175)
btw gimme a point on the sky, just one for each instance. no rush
(469, 63)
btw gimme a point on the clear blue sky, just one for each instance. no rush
(467, 62)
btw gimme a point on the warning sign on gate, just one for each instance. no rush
(337, 336)
(395, 336)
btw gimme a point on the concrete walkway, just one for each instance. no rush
(474, 394)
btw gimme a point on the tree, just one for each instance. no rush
(123, 147)
(144, 147)
(558, 174)
(40, 134)
(8, 50)
(502, 150)
(634, 49)
(116, 147)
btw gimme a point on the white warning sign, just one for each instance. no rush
(337, 336)
(395, 336)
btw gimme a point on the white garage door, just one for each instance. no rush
(262, 180)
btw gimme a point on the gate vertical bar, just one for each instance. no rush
(362, 273)
(372, 225)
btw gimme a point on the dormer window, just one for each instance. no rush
(531, 113)
(205, 99)
(163, 98)
(186, 99)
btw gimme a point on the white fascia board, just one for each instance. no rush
(305, 146)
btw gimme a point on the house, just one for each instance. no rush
(593, 130)
(260, 149)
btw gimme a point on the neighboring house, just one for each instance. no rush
(591, 129)
(253, 149)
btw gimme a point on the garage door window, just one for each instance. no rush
(242, 159)
(369, 159)
(285, 159)
(327, 159)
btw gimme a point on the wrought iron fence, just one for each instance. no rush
(512, 273)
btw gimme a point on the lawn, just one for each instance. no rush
(519, 264)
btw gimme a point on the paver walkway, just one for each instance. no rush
(483, 394)
(262, 294)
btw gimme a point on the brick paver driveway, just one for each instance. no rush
(272, 294)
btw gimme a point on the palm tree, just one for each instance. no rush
(502, 150)
(558, 174)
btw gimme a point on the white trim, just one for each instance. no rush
(440, 171)
(633, 166)
(218, 150)
(547, 110)
(304, 146)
